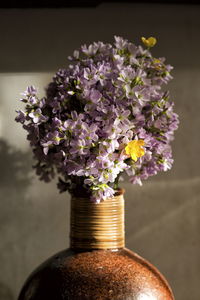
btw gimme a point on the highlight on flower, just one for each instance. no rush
(135, 149)
(106, 106)
(150, 42)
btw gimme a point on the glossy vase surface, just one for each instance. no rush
(100, 273)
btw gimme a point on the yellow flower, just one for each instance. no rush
(150, 42)
(134, 149)
(156, 61)
(157, 64)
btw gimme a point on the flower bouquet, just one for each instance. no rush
(103, 116)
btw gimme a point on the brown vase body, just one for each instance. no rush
(96, 274)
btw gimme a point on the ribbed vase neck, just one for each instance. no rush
(97, 225)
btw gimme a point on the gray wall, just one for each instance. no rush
(162, 217)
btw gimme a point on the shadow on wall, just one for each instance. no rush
(15, 165)
(5, 293)
(15, 179)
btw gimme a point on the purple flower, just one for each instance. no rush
(37, 116)
(51, 139)
(102, 192)
(30, 91)
(95, 95)
(73, 168)
(120, 43)
(78, 147)
(21, 116)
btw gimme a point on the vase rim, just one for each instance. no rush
(119, 192)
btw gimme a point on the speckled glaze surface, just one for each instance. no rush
(118, 274)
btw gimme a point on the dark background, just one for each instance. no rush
(81, 3)
(162, 216)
